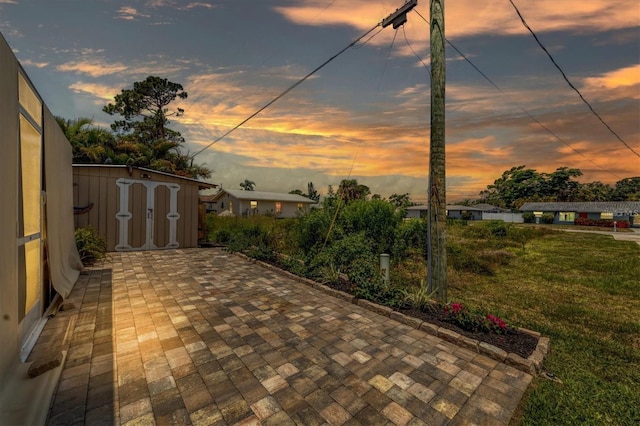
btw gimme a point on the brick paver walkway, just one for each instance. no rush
(200, 336)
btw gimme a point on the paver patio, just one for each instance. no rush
(201, 336)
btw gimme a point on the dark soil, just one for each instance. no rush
(513, 341)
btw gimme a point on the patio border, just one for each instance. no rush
(531, 364)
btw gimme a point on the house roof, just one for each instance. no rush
(449, 207)
(202, 185)
(584, 207)
(489, 208)
(262, 196)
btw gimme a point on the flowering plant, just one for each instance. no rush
(473, 320)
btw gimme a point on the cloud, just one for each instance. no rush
(616, 84)
(92, 67)
(100, 92)
(129, 13)
(30, 63)
(489, 18)
(197, 4)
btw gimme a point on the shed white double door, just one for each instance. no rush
(148, 215)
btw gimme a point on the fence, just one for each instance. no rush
(507, 217)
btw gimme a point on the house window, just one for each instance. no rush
(567, 216)
(278, 207)
(299, 206)
(537, 214)
(606, 215)
(231, 206)
(254, 204)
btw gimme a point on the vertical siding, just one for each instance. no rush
(98, 185)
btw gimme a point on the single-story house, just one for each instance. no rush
(136, 208)
(568, 212)
(210, 205)
(453, 212)
(248, 203)
(39, 262)
(490, 208)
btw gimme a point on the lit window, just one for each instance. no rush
(299, 206)
(537, 214)
(254, 204)
(231, 206)
(567, 216)
(606, 215)
(278, 207)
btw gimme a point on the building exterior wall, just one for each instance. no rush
(8, 212)
(506, 217)
(242, 207)
(103, 186)
(35, 187)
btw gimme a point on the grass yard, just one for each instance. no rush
(582, 291)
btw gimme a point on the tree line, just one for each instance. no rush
(521, 184)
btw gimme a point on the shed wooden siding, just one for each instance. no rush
(97, 185)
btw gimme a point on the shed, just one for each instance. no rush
(136, 208)
(249, 203)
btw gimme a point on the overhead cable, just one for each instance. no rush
(567, 79)
(290, 88)
(520, 107)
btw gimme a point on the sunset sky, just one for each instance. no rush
(366, 114)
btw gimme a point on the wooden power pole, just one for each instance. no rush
(437, 253)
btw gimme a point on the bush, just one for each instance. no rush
(548, 218)
(605, 223)
(497, 228)
(410, 234)
(529, 217)
(91, 246)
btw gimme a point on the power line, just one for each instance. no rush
(384, 69)
(414, 52)
(521, 108)
(290, 88)
(567, 79)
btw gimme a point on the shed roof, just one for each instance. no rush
(202, 185)
(263, 196)
(584, 207)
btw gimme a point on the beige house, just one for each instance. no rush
(39, 262)
(248, 203)
(135, 208)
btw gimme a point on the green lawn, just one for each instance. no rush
(583, 292)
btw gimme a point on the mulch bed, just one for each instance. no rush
(514, 341)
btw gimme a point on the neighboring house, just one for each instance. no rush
(248, 203)
(135, 208)
(490, 208)
(568, 212)
(491, 212)
(210, 205)
(453, 212)
(39, 262)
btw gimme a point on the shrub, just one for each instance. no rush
(91, 246)
(605, 223)
(369, 284)
(529, 217)
(548, 218)
(474, 320)
(497, 228)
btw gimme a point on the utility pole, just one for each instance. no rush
(437, 253)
